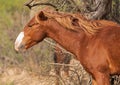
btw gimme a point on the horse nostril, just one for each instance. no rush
(21, 46)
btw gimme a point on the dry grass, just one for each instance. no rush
(17, 76)
(21, 76)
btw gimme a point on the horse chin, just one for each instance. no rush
(30, 45)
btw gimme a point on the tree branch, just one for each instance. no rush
(29, 5)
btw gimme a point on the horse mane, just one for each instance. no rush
(64, 19)
(93, 26)
(89, 26)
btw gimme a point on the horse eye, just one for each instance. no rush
(29, 25)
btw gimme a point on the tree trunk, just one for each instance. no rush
(98, 9)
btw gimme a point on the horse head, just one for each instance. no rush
(33, 32)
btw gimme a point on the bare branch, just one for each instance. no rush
(44, 4)
(29, 5)
(63, 64)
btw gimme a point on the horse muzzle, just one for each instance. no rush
(19, 45)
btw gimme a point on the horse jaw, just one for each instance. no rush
(18, 41)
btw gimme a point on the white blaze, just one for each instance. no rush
(19, 40)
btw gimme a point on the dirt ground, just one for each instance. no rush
(17, 76)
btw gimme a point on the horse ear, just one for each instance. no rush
(42, 16)
(75, 22)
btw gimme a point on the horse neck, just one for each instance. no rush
(68, 39)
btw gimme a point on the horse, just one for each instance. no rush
(95, 43)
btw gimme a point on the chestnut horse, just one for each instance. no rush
(96, 44)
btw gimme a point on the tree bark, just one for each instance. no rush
(98, 9)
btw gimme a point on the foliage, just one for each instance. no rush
(13, 16)
(8, 8)
(10, 22)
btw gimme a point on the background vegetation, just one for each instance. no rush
(14, 15)
(10, 22)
